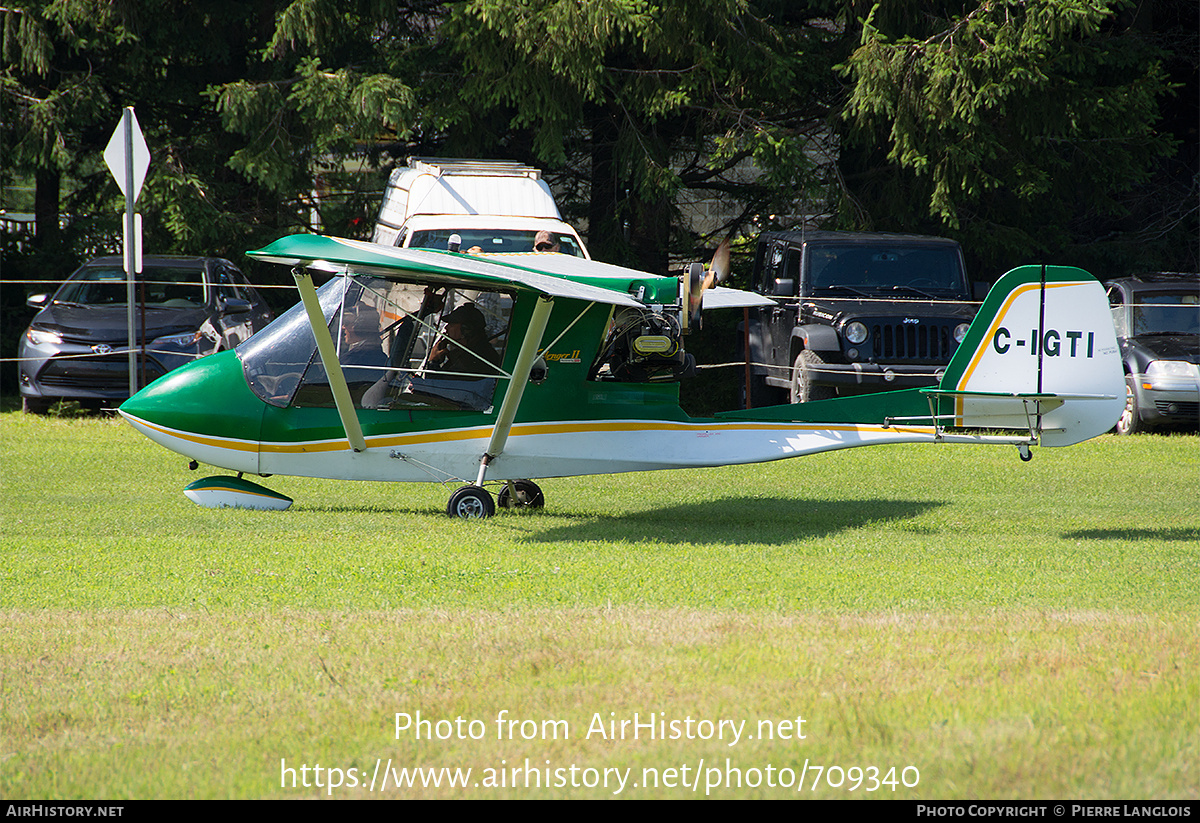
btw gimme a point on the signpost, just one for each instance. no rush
(128, 158)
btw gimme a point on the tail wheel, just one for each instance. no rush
(520, 494)
(471, 503)
(808, 364)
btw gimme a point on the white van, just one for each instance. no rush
(494, 206)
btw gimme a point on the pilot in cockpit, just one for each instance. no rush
(361, 345)
(464, 347)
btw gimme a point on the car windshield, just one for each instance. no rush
(167, 286)
(907, 269)
(1166, 313)
(492, 241)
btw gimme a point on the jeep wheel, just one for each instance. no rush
(808, 364)
(1130, 421)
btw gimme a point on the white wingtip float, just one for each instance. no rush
(486, 371)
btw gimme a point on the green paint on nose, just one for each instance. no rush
(208, 396)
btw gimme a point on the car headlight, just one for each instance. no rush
(1172, 368)
(960, 331)
(39, 337)
(183, 341)
(855, 332)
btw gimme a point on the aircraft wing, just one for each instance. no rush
(720, 297)
(586, 280)
(553, 275)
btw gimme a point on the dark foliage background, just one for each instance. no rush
(1063, 131)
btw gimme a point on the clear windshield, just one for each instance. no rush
(399, 345)
(167, 286)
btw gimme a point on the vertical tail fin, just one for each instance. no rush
(1041, 352)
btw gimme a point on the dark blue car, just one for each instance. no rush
(77, 347)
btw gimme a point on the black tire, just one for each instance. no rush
(1130, 421)
(808, 363)
(528, 496)
(34, 405)
(471, 503)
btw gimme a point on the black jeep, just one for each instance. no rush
(855, 313)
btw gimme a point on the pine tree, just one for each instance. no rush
(1018, 125)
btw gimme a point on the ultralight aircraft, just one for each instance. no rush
(491, 371)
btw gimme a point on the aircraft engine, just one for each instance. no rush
(644, 347)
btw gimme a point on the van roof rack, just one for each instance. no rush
(495, 168)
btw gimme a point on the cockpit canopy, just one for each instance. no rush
(399, 345)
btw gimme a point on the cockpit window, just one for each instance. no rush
(275, 359)
(400, 346)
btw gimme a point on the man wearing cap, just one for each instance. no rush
(545, 241)
(361, 346)
(464, 347)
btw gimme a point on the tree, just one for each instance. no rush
(628, 105)
(334, 85)
(645, 104)
(1020, 126)
(72, 65)
(49, 94)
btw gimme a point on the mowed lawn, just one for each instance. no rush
(912, 622)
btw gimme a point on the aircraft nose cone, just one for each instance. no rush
(203, 410)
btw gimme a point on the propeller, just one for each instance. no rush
(718, 269)
(699, 280)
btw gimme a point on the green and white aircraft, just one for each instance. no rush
(490, 370)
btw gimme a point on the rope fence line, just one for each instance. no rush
(4, 282)
(788, 303)
(94, 354)
(125, 351)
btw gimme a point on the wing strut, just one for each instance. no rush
(329, 359)
(516, 386)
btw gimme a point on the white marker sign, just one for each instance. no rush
(128, 157)
(127, 152)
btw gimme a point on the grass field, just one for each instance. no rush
(912, 622)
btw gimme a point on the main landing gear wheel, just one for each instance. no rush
(471, 503)
(528, 495)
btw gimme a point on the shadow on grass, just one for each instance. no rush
(1184, 534)
(736, 520)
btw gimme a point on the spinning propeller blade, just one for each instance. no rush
(700, 281)
(718, 269)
